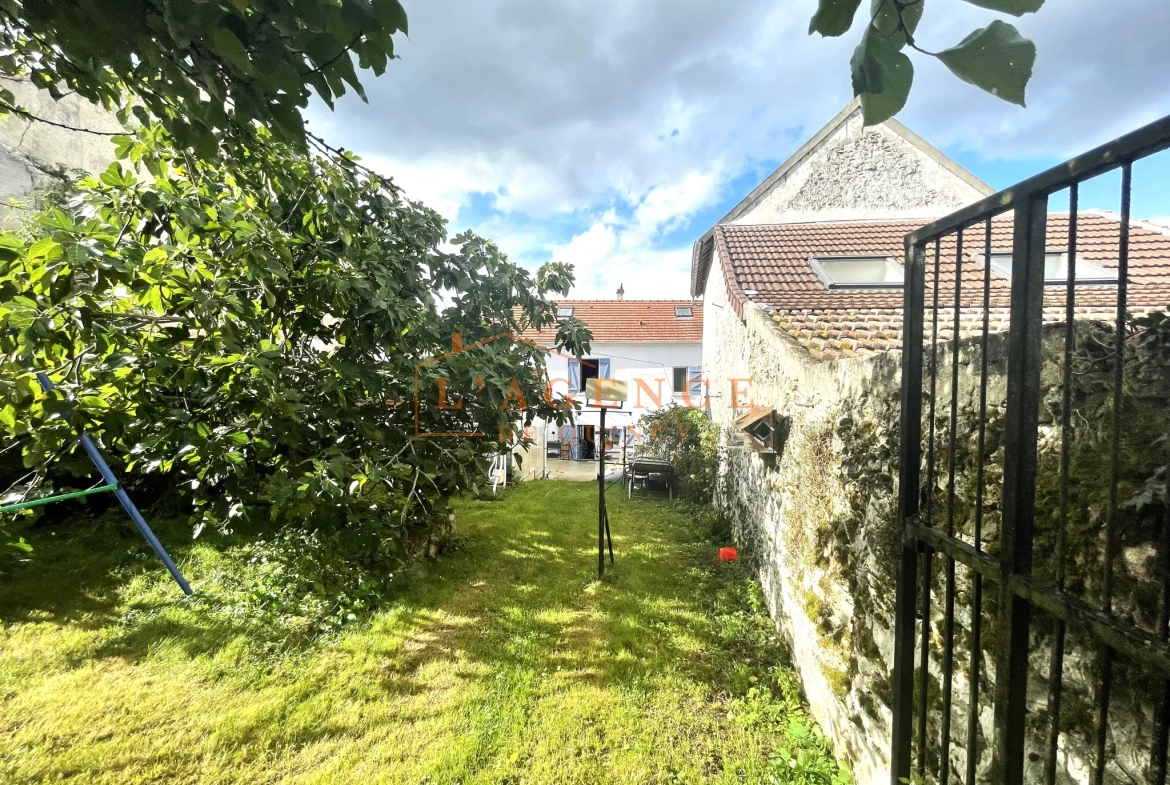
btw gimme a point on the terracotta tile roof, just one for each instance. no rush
(632, 320)
(769, 265)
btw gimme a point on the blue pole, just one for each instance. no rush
(108, 475)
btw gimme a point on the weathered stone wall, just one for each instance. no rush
(792, 514)
(36, 155)
(820, 522)
(857, 173)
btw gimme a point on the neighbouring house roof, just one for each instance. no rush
(632, 321)
(769, 265)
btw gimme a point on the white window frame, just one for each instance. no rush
(818, 267)
(1099, 276)
(564, 311)
(689, 309)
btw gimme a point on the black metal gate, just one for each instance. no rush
(997, 595)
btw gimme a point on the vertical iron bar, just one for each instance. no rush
(1115, 462)
(924, 663)
(1019, 485)
(1162, 718)
(910, 477)
(949, 596)
(1103, 713)
(127, 504)
(977, 577)
(927, 554)
(1118, 392)
(602, 525)
(930, 477)
(1119, 376)
(1056, 659)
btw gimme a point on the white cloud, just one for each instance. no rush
(596, 127)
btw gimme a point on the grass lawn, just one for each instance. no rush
(506, 662)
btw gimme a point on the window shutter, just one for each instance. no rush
(603, 368)
(574, 376)
(695, 385)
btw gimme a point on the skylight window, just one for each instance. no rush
(1055, 269)
(858, 272)
(683, 312)
(564, 312)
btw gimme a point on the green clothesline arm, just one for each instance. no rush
(58, 498)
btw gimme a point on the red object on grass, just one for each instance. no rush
(728, 554)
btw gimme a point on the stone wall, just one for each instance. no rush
(820, 522)
(36, 155)
(792, 514)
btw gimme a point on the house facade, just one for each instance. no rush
(654, 346)
(802, 285)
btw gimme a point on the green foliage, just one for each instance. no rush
(807, 756)
(201, 67)
(688, 439)
(995, 58)
(255, 332)
(882, 76)
(833, 17)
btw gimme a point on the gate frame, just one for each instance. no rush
(1011, 570)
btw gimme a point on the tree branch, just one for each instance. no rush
(336, 57)
(27, 115)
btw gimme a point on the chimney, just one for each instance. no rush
(621, 292)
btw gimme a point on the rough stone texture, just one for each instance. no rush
(857, 173)
(789, 514)
(820, 523)
(36, 155)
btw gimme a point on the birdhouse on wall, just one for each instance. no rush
(762, 430)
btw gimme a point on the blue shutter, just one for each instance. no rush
(695, 384)
(574, 376)
(603, 368)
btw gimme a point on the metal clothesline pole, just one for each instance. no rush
(603, 535)
(112, 483)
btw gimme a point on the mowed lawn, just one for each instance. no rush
(508, 661)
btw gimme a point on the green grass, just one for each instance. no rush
(506, 662)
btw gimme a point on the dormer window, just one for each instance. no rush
(1055, 268)
(858, 272)
(684, 312)
(564, 311)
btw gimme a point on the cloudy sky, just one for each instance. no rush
(612, 133)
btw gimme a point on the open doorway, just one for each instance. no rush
(590, 369)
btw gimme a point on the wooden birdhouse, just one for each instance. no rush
(763, 431)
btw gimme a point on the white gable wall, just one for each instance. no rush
(631, 360)
(855, 173)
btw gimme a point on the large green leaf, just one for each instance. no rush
(995, 58)
(833, 17)
(882, 76)
(894, 21)
(1013, 7)
(391, 15)
(232, 49)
